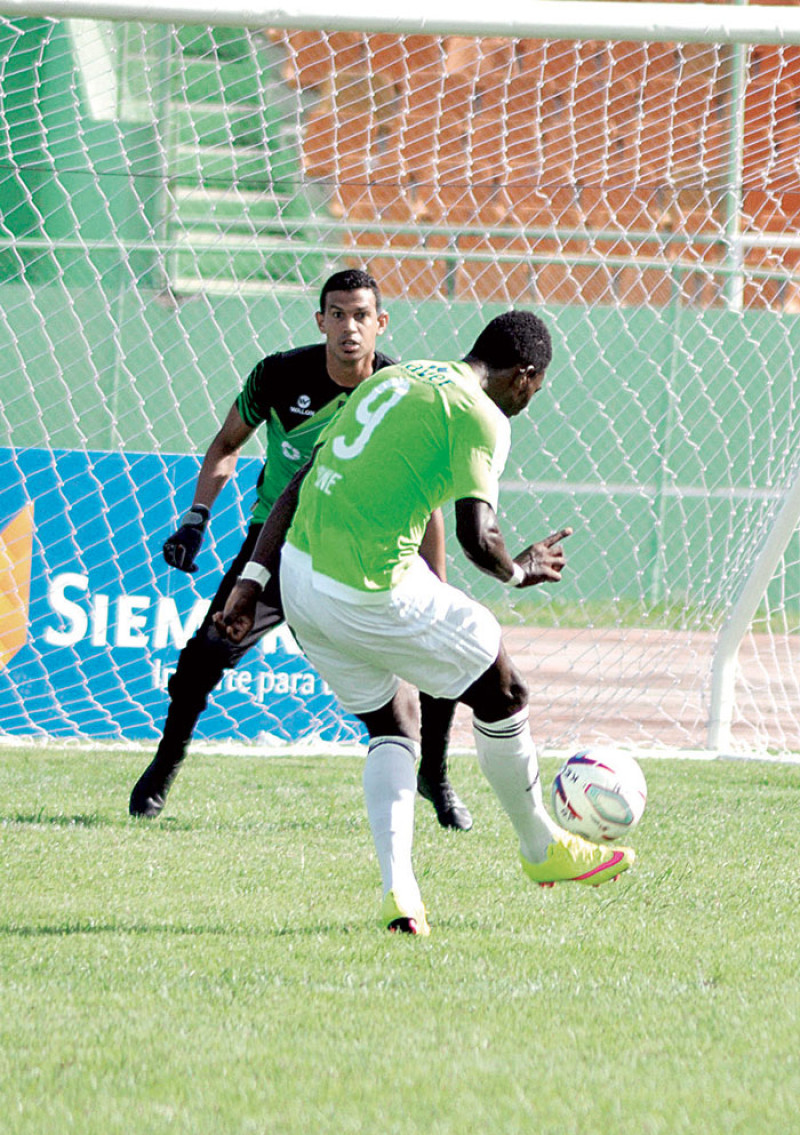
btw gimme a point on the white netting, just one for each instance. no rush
(172, 200)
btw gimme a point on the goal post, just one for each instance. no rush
(544, 19)
(739, 620)
(173, 193)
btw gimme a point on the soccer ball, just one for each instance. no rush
(599, 794)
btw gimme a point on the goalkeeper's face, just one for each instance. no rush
(351, 324)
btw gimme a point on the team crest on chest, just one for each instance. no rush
(302, 406)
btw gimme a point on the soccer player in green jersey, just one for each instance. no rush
(295, 393)
(368, 612)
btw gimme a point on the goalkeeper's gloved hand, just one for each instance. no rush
(181, 549)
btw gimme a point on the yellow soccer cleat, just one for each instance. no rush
(572, 859)
(399, 919)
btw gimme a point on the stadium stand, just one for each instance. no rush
(561, 154)
(232, 169)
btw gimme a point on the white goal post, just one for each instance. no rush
(176, 182)
(541, 19)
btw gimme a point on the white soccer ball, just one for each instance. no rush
(600, 794)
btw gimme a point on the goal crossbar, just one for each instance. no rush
(556, 19)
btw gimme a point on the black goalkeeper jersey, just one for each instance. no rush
(291, 392)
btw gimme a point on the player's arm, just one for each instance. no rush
(479, 534)
(264, 564)
(432, 546)
(221, 457)
(181, 549)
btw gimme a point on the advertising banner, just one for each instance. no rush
(92, 619)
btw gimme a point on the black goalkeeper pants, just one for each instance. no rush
(207, 655)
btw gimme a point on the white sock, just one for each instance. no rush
(507, 756)
(390, 785)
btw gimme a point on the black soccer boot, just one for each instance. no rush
(451, 812)
(200, 666)
(433, 784)
(149, 794)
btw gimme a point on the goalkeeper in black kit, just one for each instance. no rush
(295, 393)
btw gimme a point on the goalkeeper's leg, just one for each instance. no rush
(201, 664)
(433, 783)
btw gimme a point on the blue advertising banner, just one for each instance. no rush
(92, 619)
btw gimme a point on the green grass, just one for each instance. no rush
(557, 612)
(220, 970)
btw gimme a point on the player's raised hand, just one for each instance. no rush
(544, 561)
(181, 549)
(240, 611)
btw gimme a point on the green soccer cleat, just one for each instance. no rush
(571, 859)
(401, 920)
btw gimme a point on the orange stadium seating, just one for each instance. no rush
(766, 212)
(533, 135)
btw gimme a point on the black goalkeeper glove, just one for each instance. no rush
(181, 549)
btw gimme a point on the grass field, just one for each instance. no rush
(221, 970)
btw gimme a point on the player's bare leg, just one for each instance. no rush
(433, 782)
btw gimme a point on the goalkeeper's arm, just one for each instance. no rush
(479, 535)
(181, 548)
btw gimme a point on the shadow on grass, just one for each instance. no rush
(68, 929)
(97, 820)
(80, 820)
(87, 926)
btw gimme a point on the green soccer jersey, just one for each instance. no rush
(293, 394)
(407, 441)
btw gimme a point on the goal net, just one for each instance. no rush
(173, 197)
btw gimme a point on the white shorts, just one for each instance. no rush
(424, 631)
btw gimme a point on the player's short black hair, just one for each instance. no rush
(515, 338)
(350, 280)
